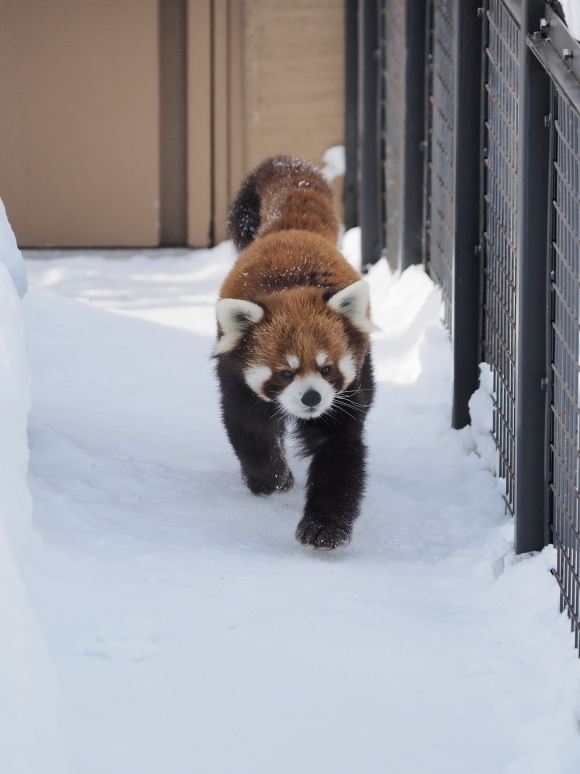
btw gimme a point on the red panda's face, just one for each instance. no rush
(306, 384)
(298, 349)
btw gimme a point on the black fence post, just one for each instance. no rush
(466, 247)
(351, 113)
(531, 343)
(370, 166)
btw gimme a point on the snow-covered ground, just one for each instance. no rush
(191, 632)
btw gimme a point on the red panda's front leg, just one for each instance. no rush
(255, 433)
(336, 482)
(261, 455)
(337, 474)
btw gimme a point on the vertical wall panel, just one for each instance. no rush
(173, 122)
(199, 144)
(236, 130)
(220, 117)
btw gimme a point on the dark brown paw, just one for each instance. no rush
(322, 535)
(287, 484)
(267, 486)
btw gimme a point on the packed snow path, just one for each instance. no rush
(191, 633)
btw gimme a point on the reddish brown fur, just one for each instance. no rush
(287, 260)
(291, 269)
(297, 197)
(299, 323)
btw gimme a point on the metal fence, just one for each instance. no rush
(483, 127)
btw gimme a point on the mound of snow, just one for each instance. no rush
(29, 739)
(10, 255)
(334, 162)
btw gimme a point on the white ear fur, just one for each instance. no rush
(235, 317)
(353, 302)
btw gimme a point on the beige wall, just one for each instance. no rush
(80, 110)
(79, 135)
(294, 78)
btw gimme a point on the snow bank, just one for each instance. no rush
(334, 162)
(10, 255)
(28, 729)
(351, 247)
(14, 406)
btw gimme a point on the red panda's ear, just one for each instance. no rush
(353, 302)
(235, 317)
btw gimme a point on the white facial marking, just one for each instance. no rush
(347, 369)
(293, 361)
(320, 358)
(291, 396)
(256, 376)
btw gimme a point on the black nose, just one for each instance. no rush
(311, 398)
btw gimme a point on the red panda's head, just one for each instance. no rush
(300, 347)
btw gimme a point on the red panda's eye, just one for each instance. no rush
(287, 374)
(326, 370)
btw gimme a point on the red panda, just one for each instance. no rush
(293, 347)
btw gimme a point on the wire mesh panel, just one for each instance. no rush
(392, 90)
(500, 228)
(565, 447)
(440, 183)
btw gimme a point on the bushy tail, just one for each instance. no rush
(244, 216)
(283, 193)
